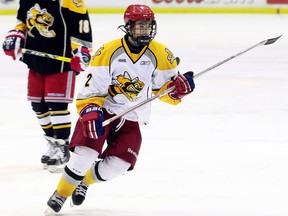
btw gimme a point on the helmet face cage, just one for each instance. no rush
(149, 26)
(140, 24)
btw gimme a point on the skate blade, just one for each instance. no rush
(45, 167)
(49, 211)
(71, 203)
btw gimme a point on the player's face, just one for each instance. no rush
(142, 28)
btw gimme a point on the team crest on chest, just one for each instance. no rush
(41, 20)
(124, 84)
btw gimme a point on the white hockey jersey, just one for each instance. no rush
(118, 79)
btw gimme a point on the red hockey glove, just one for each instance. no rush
(13, 43)
(92, 119)
(184, 85)
(81, 59)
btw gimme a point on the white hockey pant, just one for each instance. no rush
(83, 158)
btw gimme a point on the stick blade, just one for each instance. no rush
(271, 40)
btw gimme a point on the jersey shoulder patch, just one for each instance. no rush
(165, 58)
(77, 6)
(103, 55)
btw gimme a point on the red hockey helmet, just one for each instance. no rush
(138, 12)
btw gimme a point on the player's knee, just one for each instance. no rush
(81, 159)
(57, 106)
(39, 107)
(111, 167)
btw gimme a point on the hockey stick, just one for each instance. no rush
(265, 42)
(45, 55)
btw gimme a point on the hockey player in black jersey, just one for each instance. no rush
(61, 28)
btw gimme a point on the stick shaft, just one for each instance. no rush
(45, 55)
(264, 42)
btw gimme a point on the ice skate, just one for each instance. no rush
(79, 194)
(55, 204)
(57, 162)
(51, 150)
(58, 142)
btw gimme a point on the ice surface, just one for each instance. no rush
(222, 152)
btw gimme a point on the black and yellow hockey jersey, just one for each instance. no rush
(56, 27)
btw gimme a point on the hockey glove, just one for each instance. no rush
(184, 85)
(92, 119)
(13, 43)
(81, 59)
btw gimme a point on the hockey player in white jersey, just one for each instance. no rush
(122, 73)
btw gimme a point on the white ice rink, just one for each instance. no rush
(222, 152)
